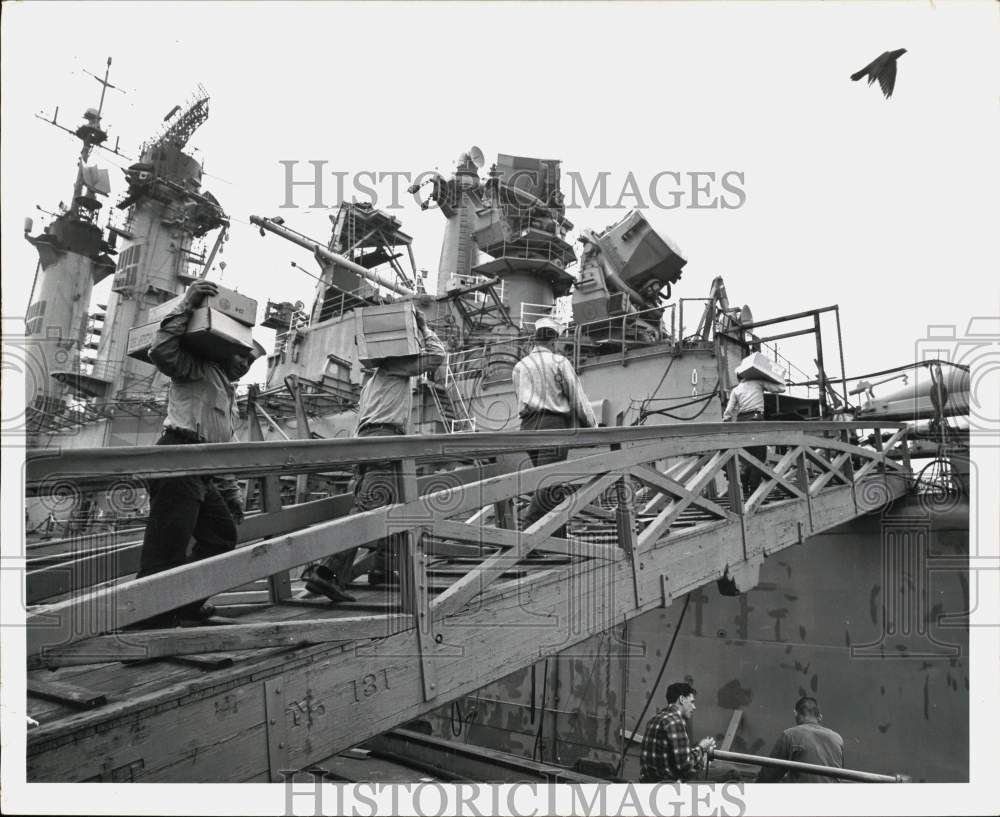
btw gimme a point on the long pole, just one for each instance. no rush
(840, 345)
(811, 768)
(318, 249)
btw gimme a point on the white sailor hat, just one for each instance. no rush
(548, 323)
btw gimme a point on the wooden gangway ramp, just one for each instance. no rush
(282, 679)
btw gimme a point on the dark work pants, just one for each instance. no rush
(181, 508)
(547, 496)
(376, 485)
(752, 477)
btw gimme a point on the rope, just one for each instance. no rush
(652, 690)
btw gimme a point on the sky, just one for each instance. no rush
(885, 207)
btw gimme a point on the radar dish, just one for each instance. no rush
(476, 156)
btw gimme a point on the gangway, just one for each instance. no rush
(283, 682)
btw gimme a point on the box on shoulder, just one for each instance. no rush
(759, 367)
(213, 335)
(210, 334)
(140, 338)
(389, 330)
(232, 304)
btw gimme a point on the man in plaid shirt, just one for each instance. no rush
(667, 753)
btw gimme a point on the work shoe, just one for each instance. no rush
(321, 581)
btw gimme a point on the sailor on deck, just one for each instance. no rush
(201, 408)
(549, 396)
(746, 404)
(384, 409)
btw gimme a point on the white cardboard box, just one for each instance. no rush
(229, 303)
(210, 334)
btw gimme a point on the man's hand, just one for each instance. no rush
(236, 509)
(198, 291)
(707, 744)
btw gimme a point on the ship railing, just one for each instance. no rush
(820, 479)
(530, 313)
(630, 330)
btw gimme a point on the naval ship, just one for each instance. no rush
(497, 653)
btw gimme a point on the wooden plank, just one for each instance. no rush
(679, 472)
(204, 662)
(471, 585)
(275, 727)
(659, 526)
(655, 479)
(93, 464)
(734, 724)
(71, 695)
(499, 537)
(772, 477)
(834, 473)
(194, 640)
(880, 458)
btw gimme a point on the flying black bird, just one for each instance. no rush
(882, 69)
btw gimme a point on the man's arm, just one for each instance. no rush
(166, 352)
(774, 388)
(768, 774)
(731, 407)
(577, 397)
(232, 495)
(687, 758)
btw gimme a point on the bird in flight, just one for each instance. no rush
(882, 69)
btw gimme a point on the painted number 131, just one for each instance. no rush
(370, 684)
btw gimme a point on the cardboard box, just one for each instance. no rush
(229, 303)
(140, 338)
(759, 367)
(385, 331)
(210, 334)
(215, 336)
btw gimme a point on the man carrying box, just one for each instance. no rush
(384, 409)
(201, 408)
(746, 404)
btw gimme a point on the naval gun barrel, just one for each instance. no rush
(320, 251)
(810, 768)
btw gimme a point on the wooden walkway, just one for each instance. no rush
(284, 680)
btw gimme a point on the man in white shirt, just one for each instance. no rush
(746, 404)
(549, 396)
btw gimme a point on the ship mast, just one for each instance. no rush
(73, 255)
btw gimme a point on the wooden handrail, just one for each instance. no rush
(46, 469)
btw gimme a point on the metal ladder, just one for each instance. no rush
(450, 402)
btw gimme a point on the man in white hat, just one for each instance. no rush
(201, 408)
(549, 396)
(746, 404)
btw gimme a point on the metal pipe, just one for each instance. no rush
(811, 768)
(793, 316)
(840, 346)
(322, 252)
